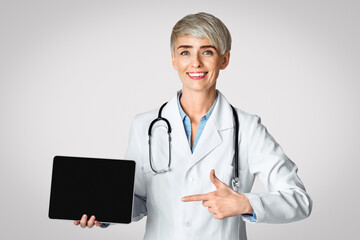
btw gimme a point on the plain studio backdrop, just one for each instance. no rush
(73, 74)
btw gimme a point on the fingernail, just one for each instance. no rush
(183, 199)
(84, 216)
(92, 217)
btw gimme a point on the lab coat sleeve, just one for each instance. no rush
(134, 152)
(285, 199)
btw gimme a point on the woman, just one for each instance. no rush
(182, 202)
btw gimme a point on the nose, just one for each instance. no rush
(196, 61)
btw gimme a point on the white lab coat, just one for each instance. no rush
(159, 196)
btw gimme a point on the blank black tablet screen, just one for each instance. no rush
(100, 187)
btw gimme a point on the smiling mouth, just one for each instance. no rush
(196, 75)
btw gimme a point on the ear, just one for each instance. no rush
(173, 61)
(225, 60)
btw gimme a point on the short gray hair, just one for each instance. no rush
(202, 25)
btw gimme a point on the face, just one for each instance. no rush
(198, 63)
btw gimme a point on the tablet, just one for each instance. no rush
(92, 186)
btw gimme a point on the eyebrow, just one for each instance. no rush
(190, 46)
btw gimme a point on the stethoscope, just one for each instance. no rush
(235, 180)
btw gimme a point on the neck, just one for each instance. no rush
(197, 103)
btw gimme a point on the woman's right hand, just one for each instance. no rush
(85, 223)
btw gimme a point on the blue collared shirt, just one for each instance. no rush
(187, 125)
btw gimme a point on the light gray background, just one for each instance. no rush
(74, 73)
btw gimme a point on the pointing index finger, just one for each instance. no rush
(196, 197)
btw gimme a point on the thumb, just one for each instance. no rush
(215, 180)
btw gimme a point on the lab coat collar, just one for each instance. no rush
(222, 116)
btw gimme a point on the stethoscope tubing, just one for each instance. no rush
(235, 180)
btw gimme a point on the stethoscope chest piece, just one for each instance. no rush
(235, 182)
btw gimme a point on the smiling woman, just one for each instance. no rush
(198, 63)
(203, 129)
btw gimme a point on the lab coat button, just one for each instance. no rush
(188, 223)
(191, 179)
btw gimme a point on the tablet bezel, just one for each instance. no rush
(58, 206)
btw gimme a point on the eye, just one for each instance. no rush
(208, 52)
(184, 53)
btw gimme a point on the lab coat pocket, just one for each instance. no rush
(146, 168)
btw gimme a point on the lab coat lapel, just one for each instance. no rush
(209, 139)
(220, 119)
(179, 143)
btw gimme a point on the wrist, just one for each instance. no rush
(250, 210)
(244, 205)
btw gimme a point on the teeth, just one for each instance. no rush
(196, 74)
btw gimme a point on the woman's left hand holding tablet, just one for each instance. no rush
(85, 223)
